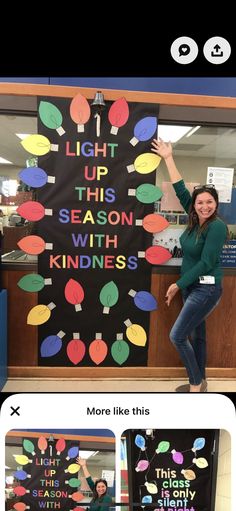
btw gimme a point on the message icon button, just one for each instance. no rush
(184, 50)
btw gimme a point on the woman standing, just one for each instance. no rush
(100, 500)
(201, 274)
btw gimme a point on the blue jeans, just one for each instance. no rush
(199, 301)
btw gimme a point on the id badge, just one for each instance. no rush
(207, 279)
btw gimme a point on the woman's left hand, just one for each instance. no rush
(171, 292)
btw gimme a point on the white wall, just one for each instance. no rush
(192, 169)
(223, 486)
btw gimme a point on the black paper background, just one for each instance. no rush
(69, 173)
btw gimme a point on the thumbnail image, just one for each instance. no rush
(60, 469)
(176, 470)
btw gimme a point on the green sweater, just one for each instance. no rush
(201, 254)
(100, 504)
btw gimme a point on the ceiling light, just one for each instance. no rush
(87, 454)
(170, 133)
(192, 131)
(22, 135)
(2, 160)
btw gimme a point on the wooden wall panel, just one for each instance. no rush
(221, 334)
(221, 326)
(163, 360)
(22, 338)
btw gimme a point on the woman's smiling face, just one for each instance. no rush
(205, 206)
(101, 488)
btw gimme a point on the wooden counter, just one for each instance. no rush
(163, 360)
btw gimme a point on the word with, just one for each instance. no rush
(49, 505)
(91, 240)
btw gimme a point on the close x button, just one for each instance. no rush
(15, 411)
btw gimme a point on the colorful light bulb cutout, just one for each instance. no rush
(73, 452)
(144, 129)
(33, 211)
(98, 349)
(120, 350)
(40, 314)
(73, 468)
(142, 465)
(22, 459)
(156, 255)
(33, 282)
(77, 496)
(80, 111)
(177, 457)
(118, 115)
(198, 444)
(76, 349)
(29, 446)
(188, 474)
(146, 193)
(34, 245)
(51, 116)
(73, 482)
(21, 475)
(35, 177)
(109, 296)
(163, 446)
(143, 300)
(135, 333)
(38, 145)
(147, 499)
(60, 447)
(145, 163)
(74, 293)
(153, 223)
(140, 442)
(20, 506)
(200, 462)
(151, 487)
(42, 444)
(20, 491)
(52, 344)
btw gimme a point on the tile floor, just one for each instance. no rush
(106, 385)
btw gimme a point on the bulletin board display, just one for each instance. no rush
(172, 470)
(47, 474)
(93, 260)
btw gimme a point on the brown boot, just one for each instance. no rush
(186, 387)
